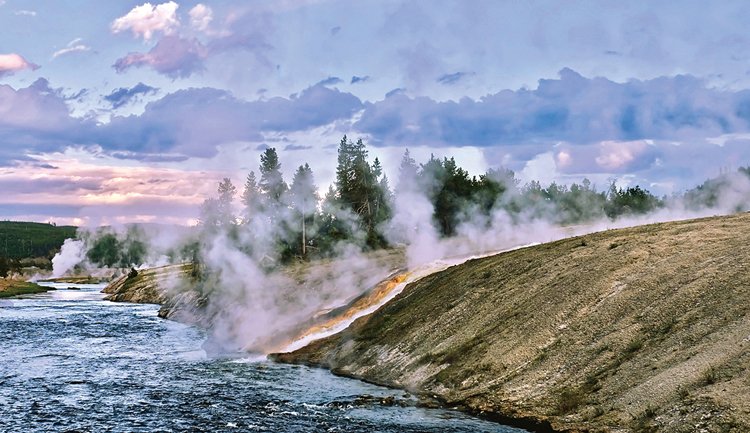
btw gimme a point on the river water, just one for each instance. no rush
(72, 362)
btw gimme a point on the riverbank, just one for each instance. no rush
(83, 279)
(10, 288)
(637, 329)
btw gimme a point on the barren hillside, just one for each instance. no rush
(638, 329)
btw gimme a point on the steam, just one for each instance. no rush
(251, 303)
(71, 254)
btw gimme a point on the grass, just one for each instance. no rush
(10, 288)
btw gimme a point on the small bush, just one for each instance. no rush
(709, 376)
(569, 400)
(634, 346)
(683, 392)
(642, 423)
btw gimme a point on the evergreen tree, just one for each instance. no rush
(303, 200)
(4, 267)
(272, 186)
(493, 187)
(407, 173)
(133, 248)
(209, 214)
(359, 189)
(227, 192)
(250, 198)
(105, 250)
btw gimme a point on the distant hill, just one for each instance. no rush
(640, 329)
(20, 240)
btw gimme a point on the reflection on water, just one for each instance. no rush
(70, 361)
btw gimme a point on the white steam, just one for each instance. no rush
(252, 304)
(72, 253)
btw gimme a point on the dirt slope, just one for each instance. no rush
(638, 329)
(148, 286)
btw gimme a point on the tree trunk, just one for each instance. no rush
(304, 242)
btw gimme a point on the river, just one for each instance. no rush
(73, 362)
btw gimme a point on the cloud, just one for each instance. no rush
(194, 122)
(123, 96)
(146, 20)
(37, 119)
(394, 92)
(73, 46)
(172, 56)
(24, 12)
(330, 81)
(201, 17)
(453, 78)
(573, 109)
(356, 79)
(178, 56)
(99, 192)
(293, 147)
(188, 123)
(619, 156)
(12, 63)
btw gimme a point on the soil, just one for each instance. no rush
(637, 329)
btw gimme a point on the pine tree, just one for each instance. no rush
(303, 200)
(272, 186)
(359, 190)
(407, 173)
(272, 183)
(4, 267)
(250, 198)
(227, 192)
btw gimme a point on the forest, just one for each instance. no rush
(357, 208)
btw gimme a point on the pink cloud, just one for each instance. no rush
(11, 63)
(172, 56)
(115, 193)
(615, 155)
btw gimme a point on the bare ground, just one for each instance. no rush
(637, 329)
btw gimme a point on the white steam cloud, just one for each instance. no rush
(250, 303)
(72, 253)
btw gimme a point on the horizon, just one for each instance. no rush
(135, 112)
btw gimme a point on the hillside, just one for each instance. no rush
(19, 240)
(637, 329)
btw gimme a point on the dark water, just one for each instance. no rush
(70, 361)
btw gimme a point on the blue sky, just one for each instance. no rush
(130, 111)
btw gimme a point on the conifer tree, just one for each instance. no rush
(250, 198)
(303, 200)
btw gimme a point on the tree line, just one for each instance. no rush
(281, 221)
(277, 221)
(296, 222)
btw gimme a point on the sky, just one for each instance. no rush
(114, 112)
